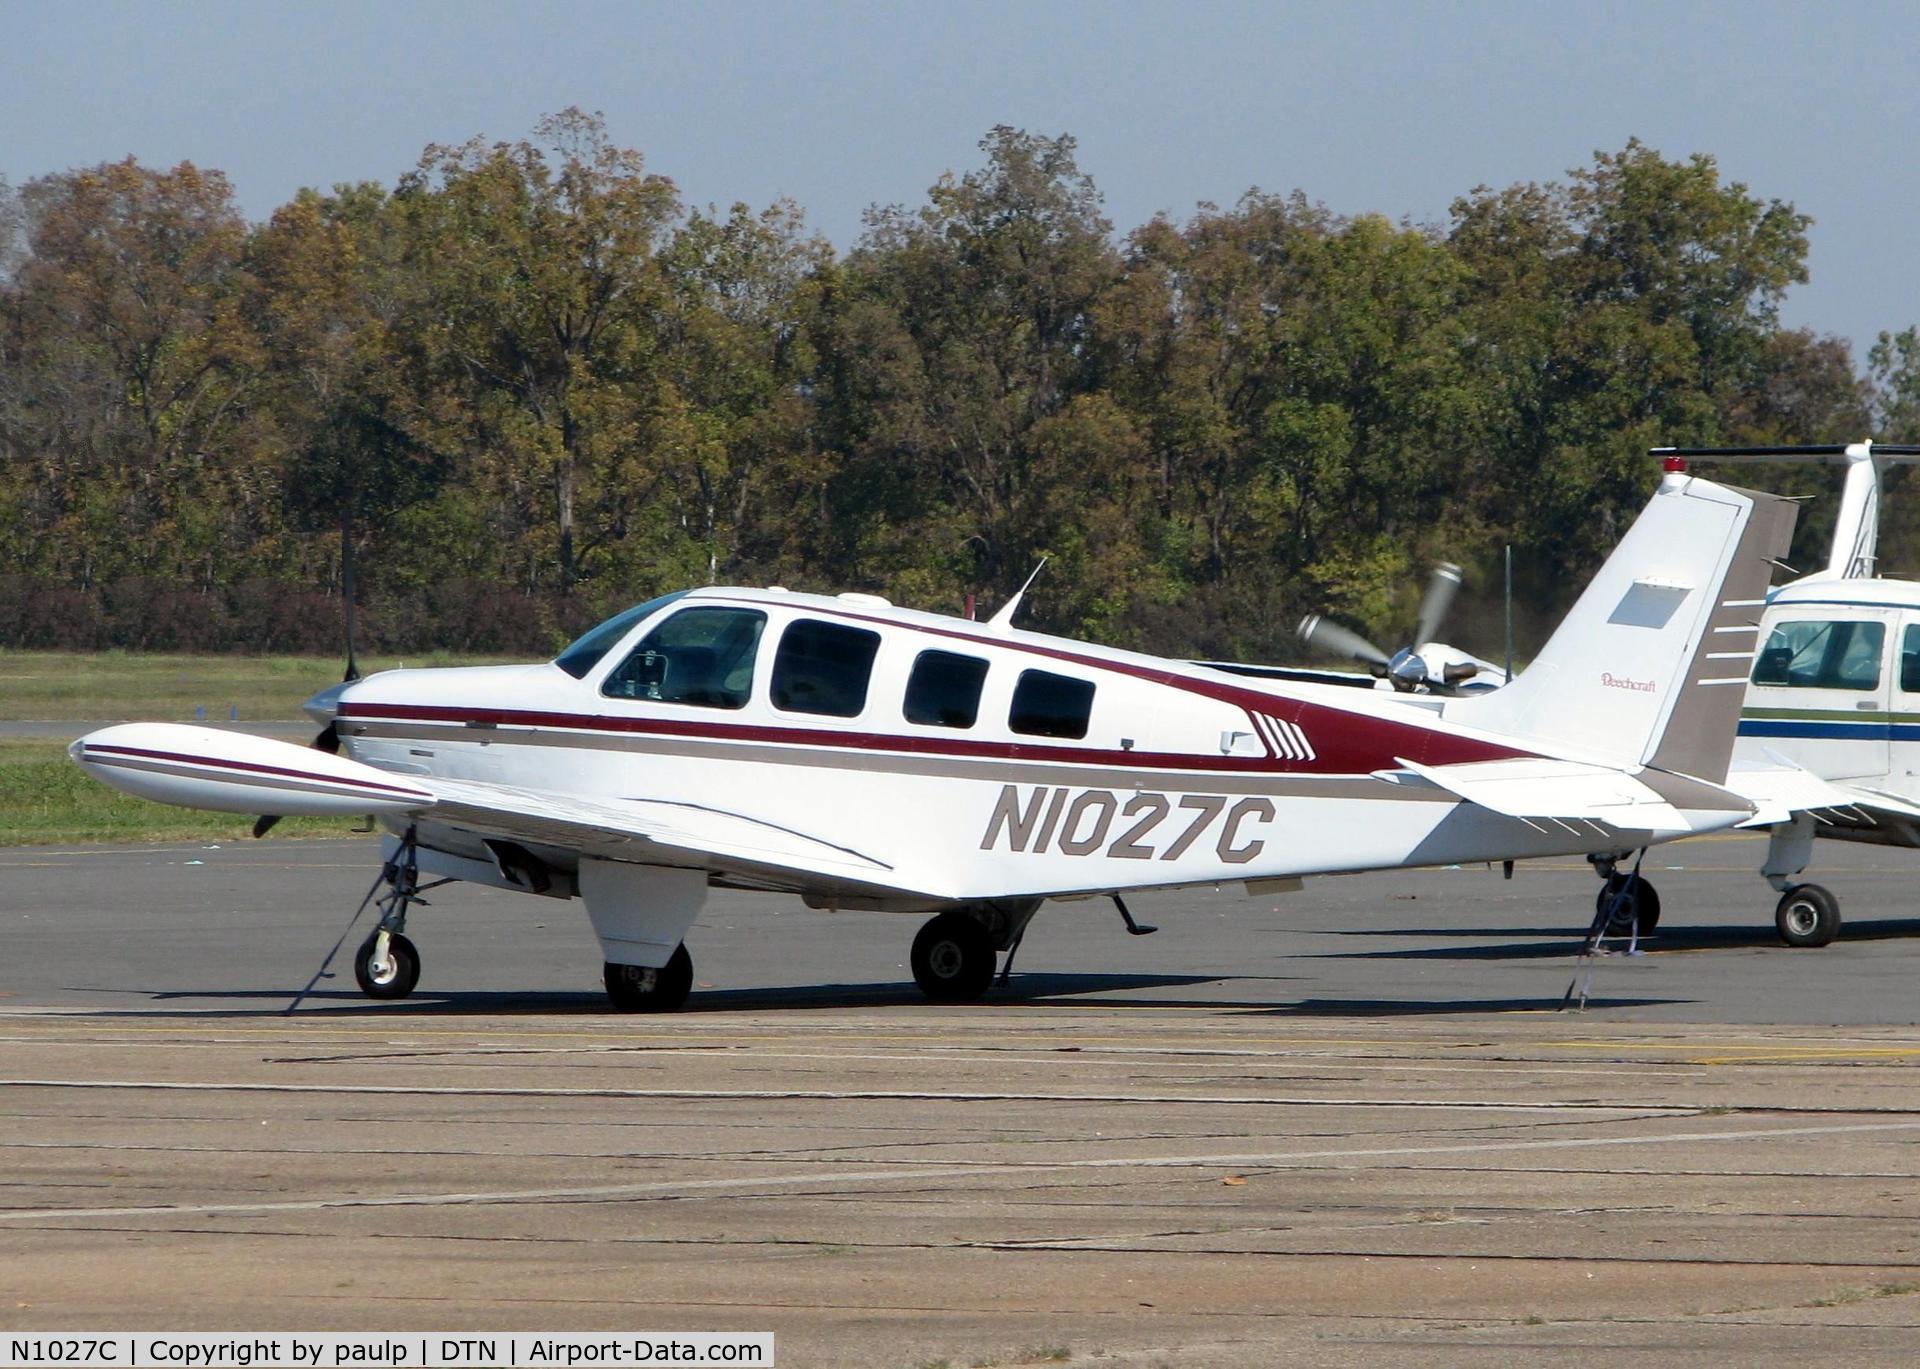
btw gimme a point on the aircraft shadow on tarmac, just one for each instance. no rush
(1563, 941)
(1037, 989)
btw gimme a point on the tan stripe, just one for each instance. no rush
(986, 769)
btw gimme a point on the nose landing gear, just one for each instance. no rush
(387, 964)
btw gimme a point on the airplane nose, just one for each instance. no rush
(324, 706)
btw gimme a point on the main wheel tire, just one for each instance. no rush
(1645, 901)
(634, 988)
(1807, 915)
(953, 958)
(393, 979)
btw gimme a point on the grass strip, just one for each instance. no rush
(47, 800)
(114, 686)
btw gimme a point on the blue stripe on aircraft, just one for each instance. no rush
(1859, 732)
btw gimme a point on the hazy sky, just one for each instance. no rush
(1394, 108)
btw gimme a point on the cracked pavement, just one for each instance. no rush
(1342, 1127)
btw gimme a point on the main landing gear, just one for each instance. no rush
(1627, 905)
(635, 988)
(955, 954)
(1807, 915)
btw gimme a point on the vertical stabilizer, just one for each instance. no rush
(1856, 532)
(1650, 667)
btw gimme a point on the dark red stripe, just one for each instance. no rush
(1336, 752)
(249, 766)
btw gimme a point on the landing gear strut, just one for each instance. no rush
(1807, 914)
(387, 965)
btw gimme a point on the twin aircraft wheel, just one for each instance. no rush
(634, 988)
(953, 958)
(1807, 915)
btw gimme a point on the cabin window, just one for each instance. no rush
(823, 668)
(699, 656)
(1049, 705)
(944, 689)
(1817, 655)
(585, 653)
(1910, 659)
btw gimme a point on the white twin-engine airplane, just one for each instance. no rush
(866, 756)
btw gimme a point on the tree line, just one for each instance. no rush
(526, 384)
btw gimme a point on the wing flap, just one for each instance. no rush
(653, 830)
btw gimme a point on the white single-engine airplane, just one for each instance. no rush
(867, 756)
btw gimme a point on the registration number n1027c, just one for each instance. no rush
(1039, 819)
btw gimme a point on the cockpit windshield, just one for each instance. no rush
(585, 653)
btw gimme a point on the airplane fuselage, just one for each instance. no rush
(1034, 766)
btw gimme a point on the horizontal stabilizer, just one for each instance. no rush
(1536, 789)
(1779, 792)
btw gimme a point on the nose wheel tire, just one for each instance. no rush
(953, 958)
(1644, 901)
(635, 988)
(392, 975)
(1807, 915)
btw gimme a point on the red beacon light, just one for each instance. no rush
(1674, 465)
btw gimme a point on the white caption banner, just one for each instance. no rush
(405, 1350)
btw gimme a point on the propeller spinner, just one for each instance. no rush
(1406, 669)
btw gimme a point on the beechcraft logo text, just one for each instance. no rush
(1621, 682)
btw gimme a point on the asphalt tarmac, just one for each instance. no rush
(1344, 1125)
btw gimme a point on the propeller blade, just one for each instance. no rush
(1442, 585)
(1323, 634)
(264, 824)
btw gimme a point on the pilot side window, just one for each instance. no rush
(944, 689)
(700, 656)
(1822, 655)
(1049, 705)
(823, 668)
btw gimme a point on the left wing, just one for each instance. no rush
(234, 772)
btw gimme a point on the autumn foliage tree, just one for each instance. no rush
(525, 384)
